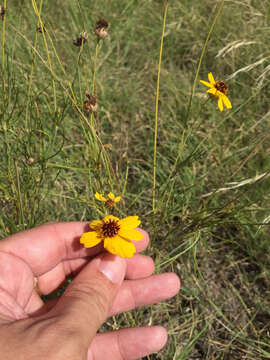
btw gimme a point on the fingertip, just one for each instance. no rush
(159, 337)
(142, 244)
(173, 284)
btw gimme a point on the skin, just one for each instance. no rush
(66, 328)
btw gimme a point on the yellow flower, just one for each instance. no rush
(115, 233)
(110, 201)
(219, 90)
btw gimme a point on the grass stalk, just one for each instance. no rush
(156, 110)
(41, 24)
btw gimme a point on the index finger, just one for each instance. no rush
(45, 246)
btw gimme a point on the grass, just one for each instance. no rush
(211, 206)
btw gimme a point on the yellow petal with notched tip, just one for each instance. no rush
(206, 83)
(227, 102)
(211, 78)
(100, 197)
(120, 247)
(90, 239)
(220, 104)
(130, 234)
(95, 224)
(117, 199)
(111, 196)
(129, 222)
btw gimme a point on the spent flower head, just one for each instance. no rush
(90, 104)
(110, 201)
(116, 235)
(79, 41)
(2, 12)
(101, 29)
(219, 90)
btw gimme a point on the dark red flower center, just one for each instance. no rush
(109, 203)
(221, 86)
(110, 228)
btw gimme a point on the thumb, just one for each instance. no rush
(85, 304)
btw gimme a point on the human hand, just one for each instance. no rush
(65, 328)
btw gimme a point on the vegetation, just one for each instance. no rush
(207, 206)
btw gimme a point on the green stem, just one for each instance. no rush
(156, 110)
(41, 24)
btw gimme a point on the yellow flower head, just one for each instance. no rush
(219, 90)
(115, 233)
(110, 201)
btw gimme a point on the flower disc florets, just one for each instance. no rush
(221, 86)
(110, 228)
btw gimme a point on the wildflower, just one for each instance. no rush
(219, 90)
(101, 29)
(110, 202)
(90, 104)
(115, 233)
(81, 39)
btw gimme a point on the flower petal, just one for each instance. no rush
(117, 199)
(211, 78)
(110, 217)
(130, 234)
(212, 91)
(111, 196)
(227, 102)
(95, 224)
(220, 103)
(129, 222)
(90, 239)
(99, 197)
(206, 83)
(119, 246)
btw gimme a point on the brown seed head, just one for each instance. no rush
(31, 160)
(80, 40)
(101, 28)
(90, 104)
(2, 12)
(39, 29)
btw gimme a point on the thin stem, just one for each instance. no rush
(201, 58)
(19, 194)
(3, 53)
(156, 109)
(47, 50)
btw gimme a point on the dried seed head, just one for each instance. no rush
(31, 160)
(81, 39)
(2, 11)
(101, 29)
(39, 29)
(90, 104)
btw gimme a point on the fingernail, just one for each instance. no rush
(113, 267)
